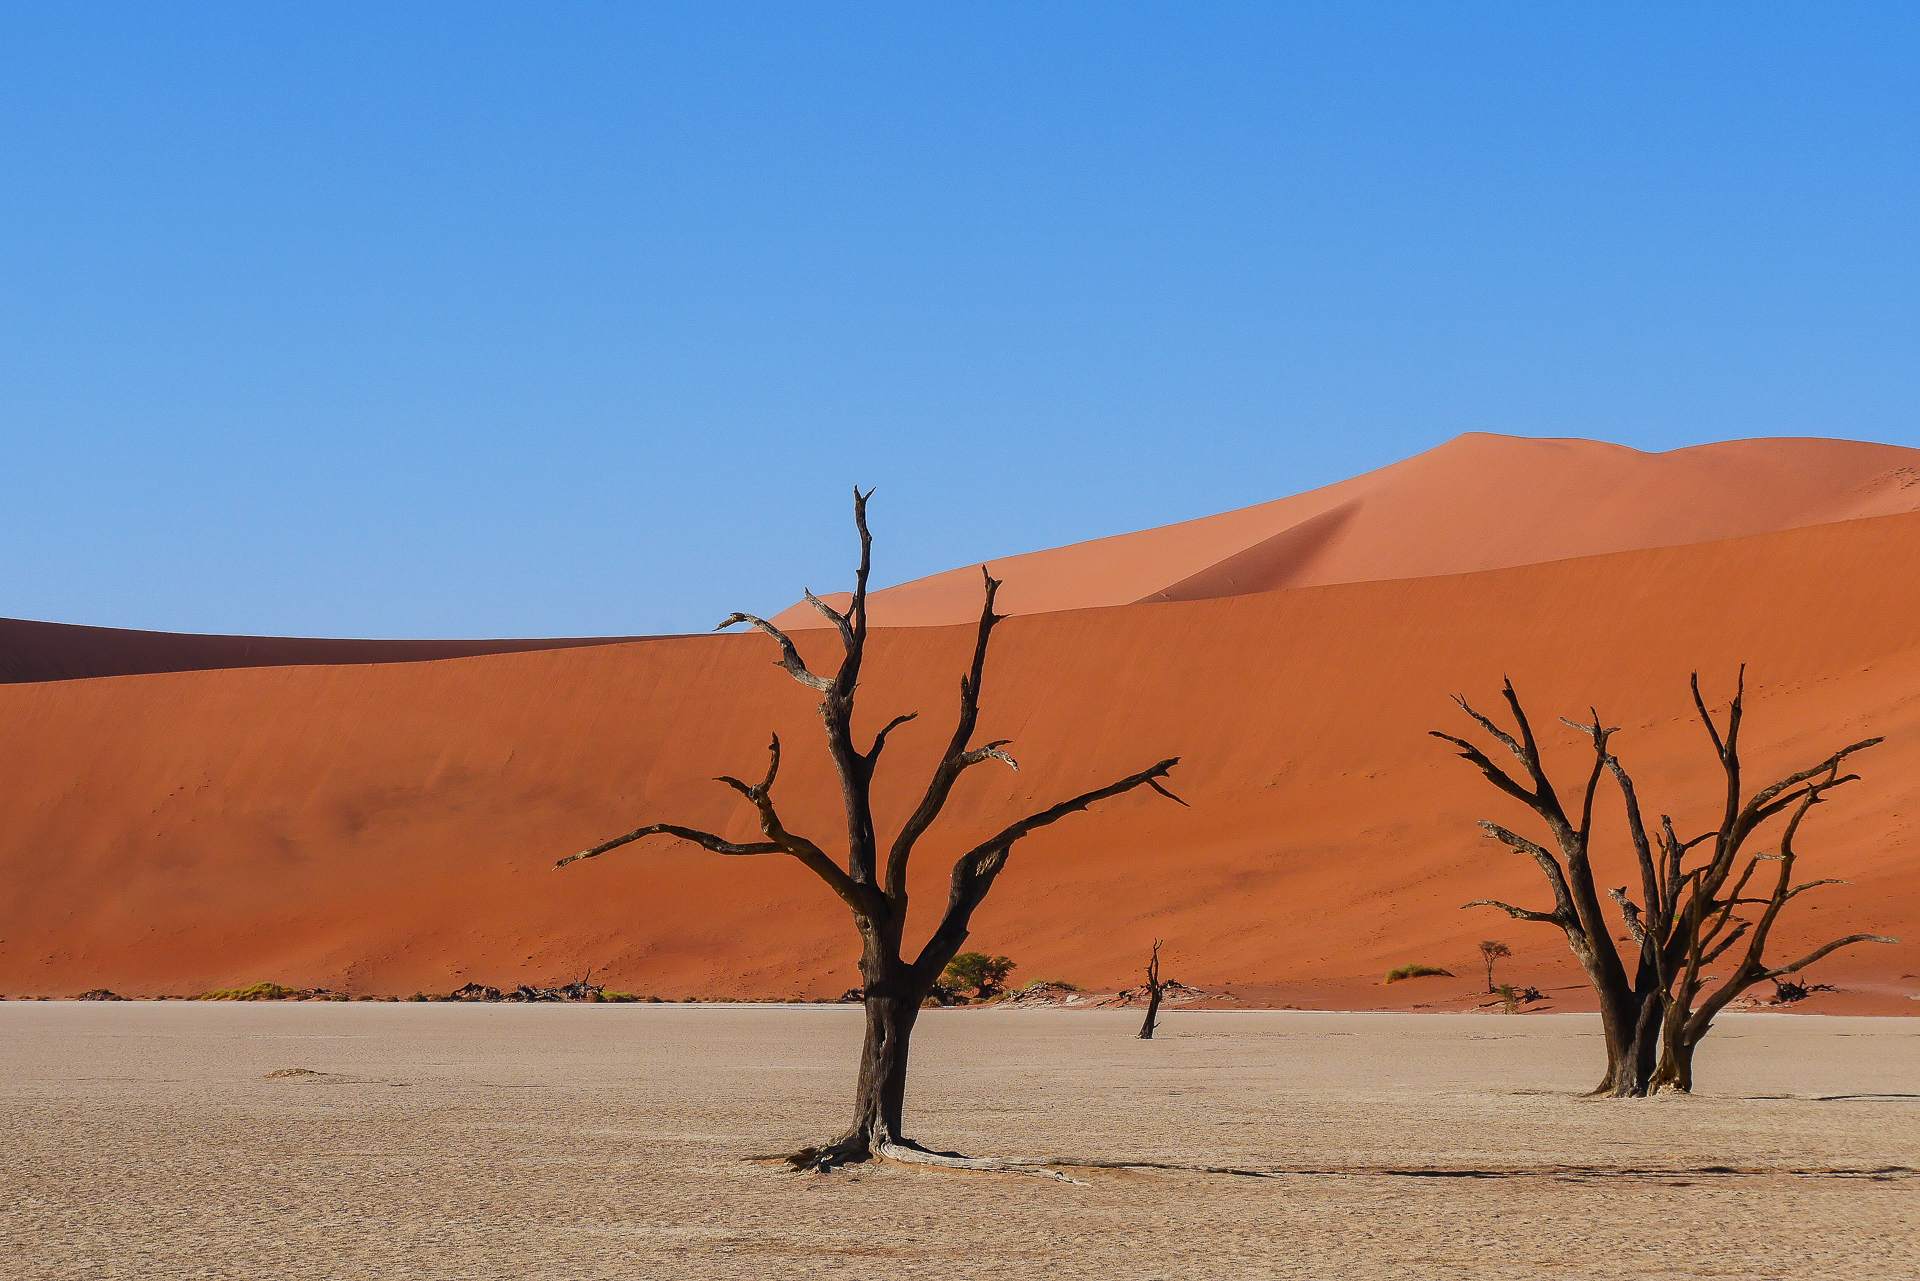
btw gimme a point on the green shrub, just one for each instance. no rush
(258, 992)
(1417, 972)
(978, 973)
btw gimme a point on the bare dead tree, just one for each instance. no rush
(1154, 988)
(875, 888)
(1629, 1006)
(1708, 927)
(1682, 923)
(1492, 950)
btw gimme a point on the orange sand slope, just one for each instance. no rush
(1476, 502)
(392, 827)
(62, 651)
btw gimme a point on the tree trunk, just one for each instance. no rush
(1153, 1012)
(892, 1006)
(1676, 1068)
(1631, 1029)
(1646, 1043)
(1681, 1031)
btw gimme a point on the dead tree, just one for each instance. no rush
(1708, 927)
(1490, 951)
(1682, 923)
(1630, 1007)
(873, 886)
(1154, 988)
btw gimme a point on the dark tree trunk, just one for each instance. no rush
(1676, 1061)
(1618, 1022)
(1631, 1028)
(880, 1097)
(1154, 988)
(1153, 1013)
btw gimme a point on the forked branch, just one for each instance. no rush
(974, 872)
(1517, 913)
(789, 656)
(718, 844)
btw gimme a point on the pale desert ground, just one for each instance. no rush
(609, 1141)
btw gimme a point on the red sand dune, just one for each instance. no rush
(1477, 502)
(64, 651)
(391, 827)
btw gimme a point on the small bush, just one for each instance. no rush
(618, 997)
(978, 973)
(258, 992)
(418, 996)
(1057, 985)
(653, 1000)
(1417, 972)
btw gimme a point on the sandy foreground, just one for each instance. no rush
(608, 1141)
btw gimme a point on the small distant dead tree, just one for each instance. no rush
(1154, 988)
(1647, 1019)
(1707, 927)
(1490, 951)
(875, 888)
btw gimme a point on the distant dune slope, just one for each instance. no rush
(62, 651)
(1477, 502)
(392, 827)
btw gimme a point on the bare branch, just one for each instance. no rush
(789, 656)
(1768, 811)
(1497, 776)
(1506, 740)
(832, 615)
(1739, 930)
(1007, 836)
(957, 758)
(974, 871)
(718, 845)
(1530, 756)
(1631, 913)
(1801, 889)
(1517, 913)
(1516, 840)
(1169, 795)
(880, 739)
(991, 752)
(1819, 952)
(857, 613)
(1642, 847)
(1706, 718)
(1753, 814)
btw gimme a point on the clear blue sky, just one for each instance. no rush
(469, 319)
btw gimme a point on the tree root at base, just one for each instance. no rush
(843, 1152)
(826, 1157)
